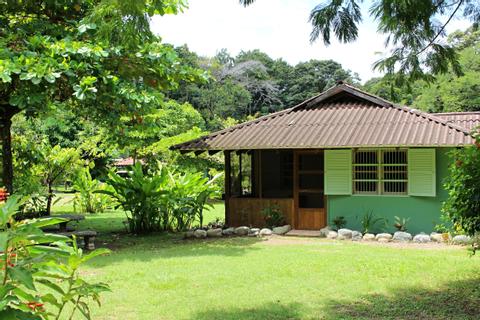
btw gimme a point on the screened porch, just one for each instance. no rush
(289, 180)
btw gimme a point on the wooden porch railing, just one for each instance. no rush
(247, 211)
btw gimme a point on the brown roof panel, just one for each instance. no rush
(469, 120)
(339, 118)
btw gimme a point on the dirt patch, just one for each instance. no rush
(285, 241)
(288, 241)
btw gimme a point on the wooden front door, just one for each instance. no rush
(309, 190)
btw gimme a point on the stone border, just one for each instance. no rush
(239, 231)
(327, 232)
(399, 236)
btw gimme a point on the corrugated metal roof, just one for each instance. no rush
(341, 117)
(469, 120)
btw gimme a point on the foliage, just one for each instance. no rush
(161, 199)
(462, 207)
(252, 84)
(139, 132)
(370, 222)
(34, 261)
(41, 166)
(188, 195)
(401, 223)
(273, 216)
(339, 222)
(414, 32)
(67, 53)
(86, 200)
(448, 92)
(139, 195)
(56, 164)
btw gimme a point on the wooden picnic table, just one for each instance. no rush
(69, 218)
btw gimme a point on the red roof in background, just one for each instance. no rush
(124, 162)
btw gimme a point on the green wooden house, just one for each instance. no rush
(342, 153)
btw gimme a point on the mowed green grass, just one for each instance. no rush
(165, 277)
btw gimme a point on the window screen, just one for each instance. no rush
(241, 175)
(380, 172)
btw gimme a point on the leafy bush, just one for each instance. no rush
(161, 199)
(188, 195)
(86, 200)
(31, 260)
(339, 222)
(370, 222)
(462, 207)
(401, 223)
(273, 216)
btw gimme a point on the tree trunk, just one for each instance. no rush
(49, 198)
(6, 138)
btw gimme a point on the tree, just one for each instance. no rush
(55, 165)
(448, 92)
(310, 78)
(99, 58)
(414, 32)
(456, 93)
(139, 132)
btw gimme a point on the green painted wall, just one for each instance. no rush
(424, 212)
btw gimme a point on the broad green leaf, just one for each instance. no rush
(95, 253)
(22, 275)
(52, 285)
(39, 223)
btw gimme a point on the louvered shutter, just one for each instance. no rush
(421, 172)
(338, 172)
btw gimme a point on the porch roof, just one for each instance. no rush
(341, 117)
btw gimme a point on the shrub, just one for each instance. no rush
(339, 222)
(86, 200)
(273, 216)
(138, 195)
(188, 195)
(161, 199)
(32, 261)
(462, 208)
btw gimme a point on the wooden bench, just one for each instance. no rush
(87, 235)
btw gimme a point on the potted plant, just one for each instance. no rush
(273, 216)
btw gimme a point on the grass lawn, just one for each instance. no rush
(166, 277)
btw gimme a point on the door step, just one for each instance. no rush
(303, 233)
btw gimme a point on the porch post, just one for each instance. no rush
(227, 186)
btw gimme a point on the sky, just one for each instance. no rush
(279, 28)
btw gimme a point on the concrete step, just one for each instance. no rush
(303, 233)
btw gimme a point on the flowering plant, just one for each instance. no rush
(39, 272)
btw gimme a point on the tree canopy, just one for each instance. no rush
(448, 92)
(253, 83)
(99, 58)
